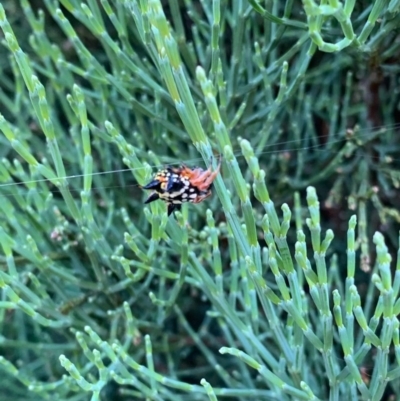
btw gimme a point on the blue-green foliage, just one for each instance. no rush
(260, 292)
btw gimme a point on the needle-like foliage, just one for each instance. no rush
(266, 290)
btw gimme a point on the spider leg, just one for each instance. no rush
(211, 177)
(206, 178)
(200, 198)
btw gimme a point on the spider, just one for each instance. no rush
(183, 184)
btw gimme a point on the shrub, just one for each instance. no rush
(106, 298)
